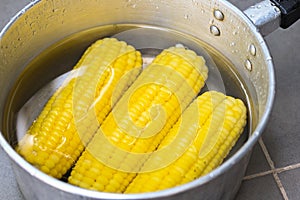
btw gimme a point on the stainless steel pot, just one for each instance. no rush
(228, 30)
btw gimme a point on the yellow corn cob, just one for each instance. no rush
(115, 154)
(53, 142)
(221, 120)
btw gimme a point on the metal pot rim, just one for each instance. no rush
(172, 191)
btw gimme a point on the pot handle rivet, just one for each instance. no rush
(248, 65)
(252, 49)
(215, 30)
(218, 15)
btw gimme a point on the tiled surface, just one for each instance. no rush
(257, 157)
(8, 8)
(261, 188)
(277, 177)
(291, 182)
(283, 131)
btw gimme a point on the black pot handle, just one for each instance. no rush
(290, 11)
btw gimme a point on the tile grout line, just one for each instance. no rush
(289, 167)
(281, 188)
(275, 174)
(277, 170)
(260, 174)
